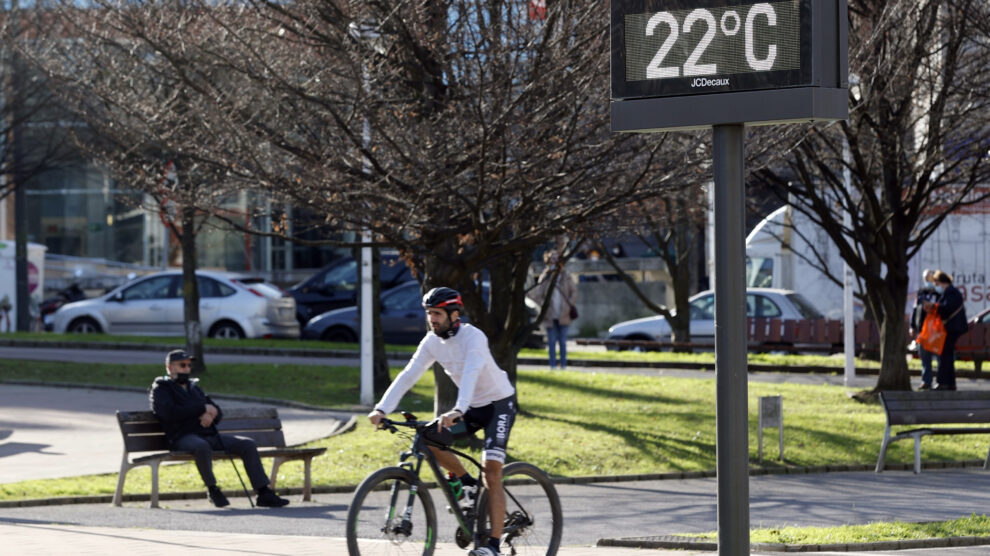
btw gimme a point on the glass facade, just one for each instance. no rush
(80, 211)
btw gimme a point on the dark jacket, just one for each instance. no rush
(950, 304)
(919, 313)
(179, 408)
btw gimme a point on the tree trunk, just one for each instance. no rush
(190, 290)
(893, 347)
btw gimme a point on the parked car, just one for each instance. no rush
(230, 306)
(403, 319)
(336, 285)
(760, 302)
(982, 316)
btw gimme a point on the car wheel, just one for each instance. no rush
(339, 334)
(84, 325)
(226, 329)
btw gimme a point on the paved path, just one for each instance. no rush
(591, 512)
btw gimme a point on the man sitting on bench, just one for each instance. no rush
(189, 416)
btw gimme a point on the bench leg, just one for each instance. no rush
(881, 460)
(307, 483)
(154, 484)
(276, 462)
(917, 454)
(118, 495)
(986, 462)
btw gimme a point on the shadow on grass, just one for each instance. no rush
(651, 443)
(566, 383)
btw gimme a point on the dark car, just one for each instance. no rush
(403, 319)
(336, 285)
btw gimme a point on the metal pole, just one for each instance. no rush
(849, 322)
(21, 254)
(731, 417)
(367, 330)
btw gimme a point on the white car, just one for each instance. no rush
(230, 306)
(760, 302)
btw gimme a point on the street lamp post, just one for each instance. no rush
(367, 32)
(849, 319)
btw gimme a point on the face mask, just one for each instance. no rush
(182, 378)
(939, 290)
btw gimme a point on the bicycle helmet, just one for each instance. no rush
(449, 300)
(443, 298)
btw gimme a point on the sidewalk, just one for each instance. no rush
(49, 432)
(35, 538)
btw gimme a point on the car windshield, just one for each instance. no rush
(341, 276)
(804, 306)
(403, 298)
(703, 308)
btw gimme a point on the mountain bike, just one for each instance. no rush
(393, 513)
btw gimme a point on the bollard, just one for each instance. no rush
(771, 415)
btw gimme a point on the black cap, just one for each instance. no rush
(177, 355)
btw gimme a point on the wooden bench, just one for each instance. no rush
(933, 408)
(143, 432)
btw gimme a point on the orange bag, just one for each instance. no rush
(932, 335)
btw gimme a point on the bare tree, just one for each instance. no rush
(917, 138)
(146, 110)
(488, 136)
(673, 228)
(465, 134)
(32, 135)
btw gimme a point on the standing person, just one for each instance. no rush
(485, 398)
(953, 315)
(925, 293)
(557, 317)
(190, 417)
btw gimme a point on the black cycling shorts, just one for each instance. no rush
(496, 419)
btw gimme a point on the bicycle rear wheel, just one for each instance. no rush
(534, 522)
(377, 520)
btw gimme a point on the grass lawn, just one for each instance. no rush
(651, 356)
(610, 424)
(969, 526)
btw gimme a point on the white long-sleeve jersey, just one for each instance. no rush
(465, 358)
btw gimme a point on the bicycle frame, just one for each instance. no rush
(403, 510)
(419, 450)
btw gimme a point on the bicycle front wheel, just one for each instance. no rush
(391, 513)
(534, 522)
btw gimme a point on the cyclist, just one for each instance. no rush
(485, 397)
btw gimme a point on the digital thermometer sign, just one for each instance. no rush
(679, 48)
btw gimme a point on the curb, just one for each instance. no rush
(685, 543)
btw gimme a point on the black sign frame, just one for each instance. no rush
(818, 92)
(622, 88)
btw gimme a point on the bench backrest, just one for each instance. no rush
(143, 432)
(928, 408)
